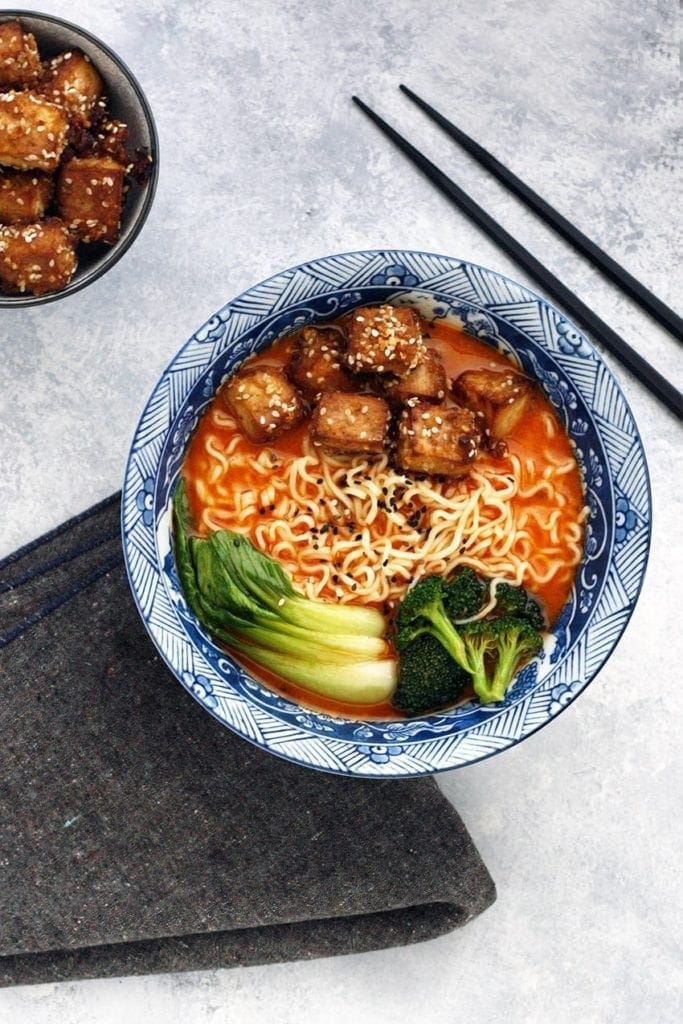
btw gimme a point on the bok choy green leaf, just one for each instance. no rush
(246, 600)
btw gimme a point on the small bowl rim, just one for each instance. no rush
(119, 249)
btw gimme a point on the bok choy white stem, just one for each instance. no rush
(247, 601)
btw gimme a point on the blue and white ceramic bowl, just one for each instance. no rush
(588, 400)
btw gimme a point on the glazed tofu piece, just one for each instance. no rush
(19, 58)
(435, 440)
(33, 132)
(427, 382)
(385, 339)
(90, 197)
(264, 403)
(350, 424)
(23, 196)
(72, 81)
(36, 258)
(501, 397)
(316, 364)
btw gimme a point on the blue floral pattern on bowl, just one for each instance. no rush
(625, 519)
(201, 688)
(588, 400)
(395, 275)
(144, 500)
(571, 342)
(380, 753)
(563, 694)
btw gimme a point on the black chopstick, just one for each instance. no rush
(629, 284)
(578, 310)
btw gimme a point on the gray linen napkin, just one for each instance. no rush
(138, 835)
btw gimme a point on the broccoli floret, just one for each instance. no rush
(533, 614)
(518, 642)
(480, 641)
(489, 650)
(512, 600)
(495, 649)
(464, 594)
(428, 678)
(422, 611)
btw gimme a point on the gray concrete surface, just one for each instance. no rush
(265, 163)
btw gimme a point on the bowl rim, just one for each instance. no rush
(119, 249)
(393, 256)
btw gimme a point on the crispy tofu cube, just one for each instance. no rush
(32, 132)
(316, 364)
(90, 197)
(72, 81)
(19, 58)
(36, 258)
(350, 423)
(264, 403)
(427, 382)
(501, 397)
(23, 196)
(385, 339)
(432, 439)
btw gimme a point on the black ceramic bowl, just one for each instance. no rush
(127, 103)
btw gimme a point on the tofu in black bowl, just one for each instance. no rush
(78, 158)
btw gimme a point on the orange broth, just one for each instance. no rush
(529, 441)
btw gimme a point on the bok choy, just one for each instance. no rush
(246, 601)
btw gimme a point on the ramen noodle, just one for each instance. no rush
(358, 529)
